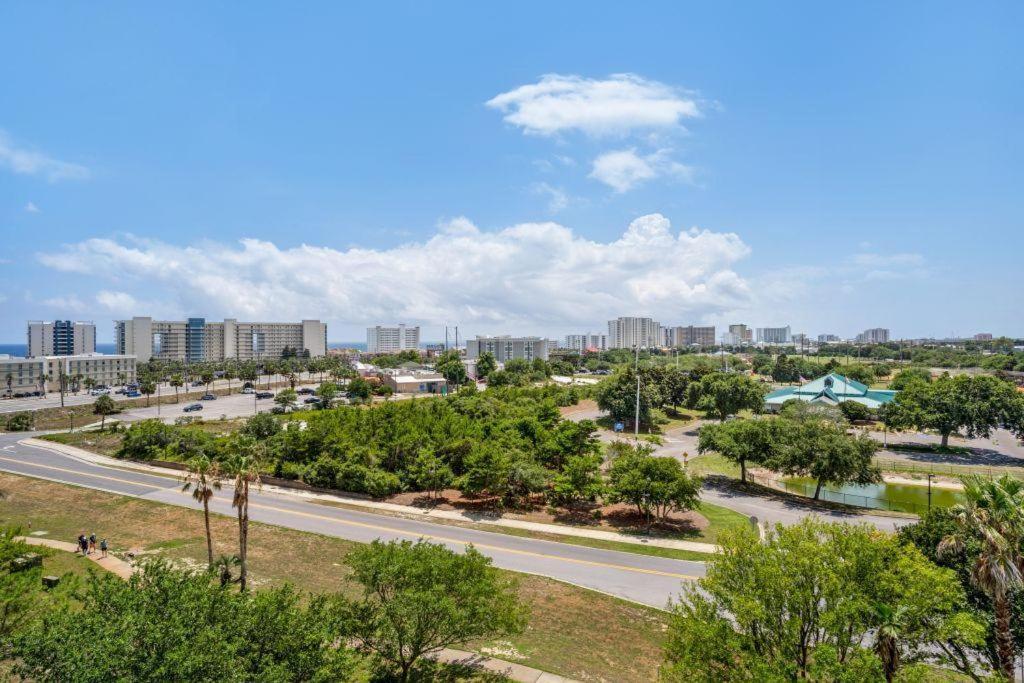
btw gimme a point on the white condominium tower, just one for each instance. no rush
(774, 335)
(876, 335)
(586, 342)
(383, 339)
(60, 338)
(196, 340)
(625, 333)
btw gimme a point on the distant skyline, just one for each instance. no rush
(529, 169)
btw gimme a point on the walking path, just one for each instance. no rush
(511, 670)
(112, 564)
(420, 513)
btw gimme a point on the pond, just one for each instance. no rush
(885, 496)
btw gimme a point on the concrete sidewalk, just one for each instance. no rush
(511, 670)
(420, 513)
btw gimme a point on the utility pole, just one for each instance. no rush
(636, 417)
(930, 491)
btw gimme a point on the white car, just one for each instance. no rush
(99, 392)
(248, 390)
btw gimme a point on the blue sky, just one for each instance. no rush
(534, 168)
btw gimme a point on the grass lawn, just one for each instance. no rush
(574, 632)
(713, 463)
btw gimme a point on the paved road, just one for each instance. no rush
(644, 579)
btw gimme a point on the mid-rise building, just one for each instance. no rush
(586, 342)
(691, 335)
(626, 333)
(197, 340)
(383, 339)
(738, 335)
(44, 373)
(60, 338)
(774, 335)
(983, 336)
(508, 348)
(828, 338)
(875, 335)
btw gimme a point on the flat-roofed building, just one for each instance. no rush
(774, 335)
(625, 333)
(586, 342)
(392, 339)
(60, 337)
(875, 335)
(415, 382)
(196, 339)
(507, 348)
(692, 335)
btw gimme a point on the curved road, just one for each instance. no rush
(640, 578)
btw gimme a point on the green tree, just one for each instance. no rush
(994, 514)
(973, 405)
(420, 598)
(485, 364)
(617, 396)
(261, 426)
(177, 382)
(429, 473)
(358, 388)
(286, 398)
(20, 599)
(803, 603)
(103, 406)
(202, 477)
(743, 441)
(579, 480)
(723, 394)
(656, 486)
(327, 391)
(449, 364)
(904, 377)
(486, 470)
(147, 388)
(824, 451)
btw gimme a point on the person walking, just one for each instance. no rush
(92, 543)
(103, 548)
(83, 544)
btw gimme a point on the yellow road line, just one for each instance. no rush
(376, 527)
(80, 473)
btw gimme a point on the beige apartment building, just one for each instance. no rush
(28, 375)
(60, 338)
(196, 339)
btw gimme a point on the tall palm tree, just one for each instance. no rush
(43, 379)
(202, 476)
(243, 466)
(177, 382)
(994, 514)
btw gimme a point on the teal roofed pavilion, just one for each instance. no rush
(832, 389)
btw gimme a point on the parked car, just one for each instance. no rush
(132, 394)
(198, 383)
(248, 390)
(264, 394)
(192, 407)
(99, 392)
(311, 399)
(278, 410)
(304, 390)
(208, 397)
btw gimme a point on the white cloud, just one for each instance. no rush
(558, 199)
(625, 169)
(66, 303)
(121, 303)
(29, 162)
(618, 105)
(523, 276)
(32, 208)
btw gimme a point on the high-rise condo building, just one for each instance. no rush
(60, 338)
(196, 339)
(827, 338)
(508, 348)
(383, 339)
(626, 333)
(691, 335)
(586, 342)
(875, 335)
(774, 335)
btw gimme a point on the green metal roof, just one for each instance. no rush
(832, 388)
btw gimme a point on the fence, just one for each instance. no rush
(948, 470)
(831, 496)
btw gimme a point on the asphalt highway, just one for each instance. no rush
(640, 578)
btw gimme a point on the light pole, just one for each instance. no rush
(930, 476)
(636, 417)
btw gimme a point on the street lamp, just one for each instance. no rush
(636, 417)
(930, 477)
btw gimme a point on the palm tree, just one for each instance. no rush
(43, 379)
(90, 383)
(176, 382)
(202, 476)
(887, 633)
(223, 566)
(993, 513)
(243, 466)
(10, 381)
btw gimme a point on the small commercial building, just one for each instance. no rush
(416, 382)
(832, 389)
(43, 373)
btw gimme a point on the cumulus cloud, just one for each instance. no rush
(523, 276)
(625, 169)
(25, 161)
(617, 105)
(558, 199)
(31, 208)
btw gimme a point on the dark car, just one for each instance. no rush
(208, 397)
(193, 407)
(311, 399)
(264, 394)
(198, 383)
(304, 390)
(279, 410)
(132, 394)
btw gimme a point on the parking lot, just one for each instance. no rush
(232, 406)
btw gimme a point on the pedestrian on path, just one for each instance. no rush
(83, 544)
(92, 543)
(103, 548)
